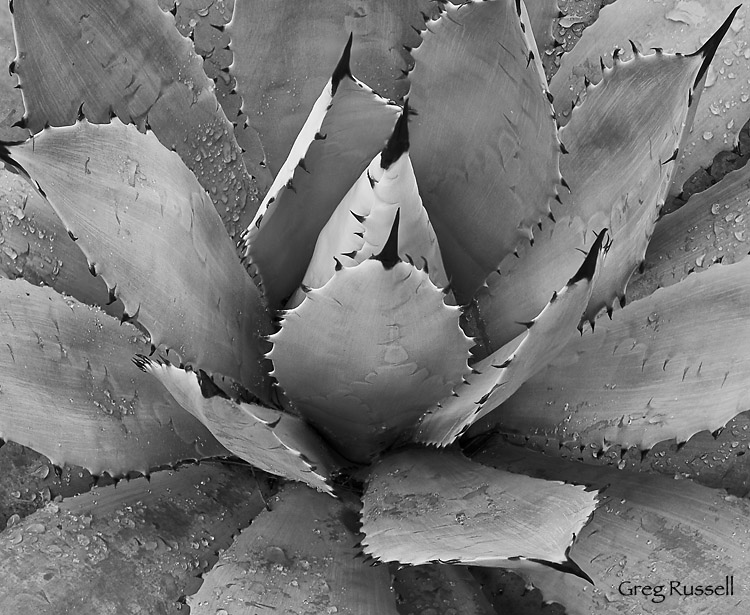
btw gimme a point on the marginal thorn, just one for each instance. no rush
(588, 268)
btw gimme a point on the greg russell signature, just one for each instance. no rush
(659, 593)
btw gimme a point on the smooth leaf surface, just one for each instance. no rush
(396, 347)
(648, 530)
(681, 26)
(297, 557)
(712, 227)
(284, 52)
(426, 506)
(486, 174)
(349, 130)
(495, 378)
(665, 367)
(70, 391)
(148, 228)
(621, 144)
(126, 58)
(279, 443)
(138, 546)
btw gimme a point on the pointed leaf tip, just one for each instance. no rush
(708, 50)
(389, 254)
(343, 68)
(588, 268)
(398, 144)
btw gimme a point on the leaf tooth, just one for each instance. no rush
(389, 254)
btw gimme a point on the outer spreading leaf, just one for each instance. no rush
(648, 530)
(674, 26)
(273, 441)
(713, 226)
(134, 548)
(280, 78)
(622, 143)
(485, 146)
(70, 392)
(669, 366)
(424, 506)
(396, 347)
(126, 57)
(361, 224)
(297, 558)
(148, 228)
(347, 127)
(498, 376)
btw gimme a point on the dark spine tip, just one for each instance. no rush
(343, 68)
(398, 143)
(588, 268)
(708, 50)
(634, 47)
(389, 254)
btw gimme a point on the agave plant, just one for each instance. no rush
(379, 330)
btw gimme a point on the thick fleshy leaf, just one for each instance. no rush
(126, 57)
(284, 52)
(271, 440)
(148, 228)
(426, 506)
(712, 227)
(716, 459)
(361, 224)
(35, 246)
(680, 27)
(498, 376)
(648, 530)
(622, 142)
(362, 357)
(135, 548)
(486, 176)
(668, 366)
(11, 101)
(347, 127)
(542, 14)
(297, 558)
(70, 391)
(203, 21)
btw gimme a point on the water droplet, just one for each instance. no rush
(708, 135)
(36, 528)
(715, 208)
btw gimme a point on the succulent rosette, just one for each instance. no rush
(372, 267)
